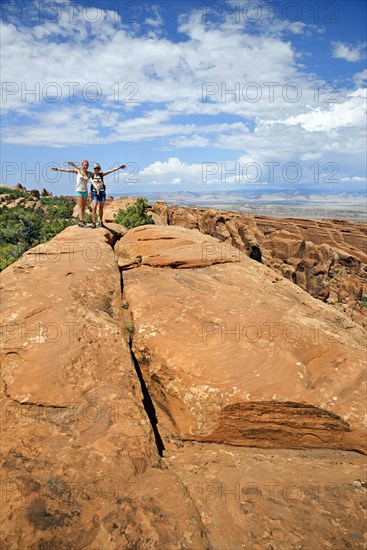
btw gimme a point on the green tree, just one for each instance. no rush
(13, 193)
(134, 215)
(22, 228)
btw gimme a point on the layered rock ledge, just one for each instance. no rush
(234, 353)
(327, 258)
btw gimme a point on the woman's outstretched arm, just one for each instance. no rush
(78, 168)
(75, 171)
(64, 170)
(114, 170)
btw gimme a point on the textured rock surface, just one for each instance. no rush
(180, 248)
(80, 444)
(80, 461)
(327, 258)
(234, 353)
(259, 499)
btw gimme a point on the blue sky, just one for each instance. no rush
(192, 96)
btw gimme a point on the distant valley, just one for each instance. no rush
(295, 204)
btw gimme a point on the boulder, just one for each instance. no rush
(34, 193)
(176, 248)
(234, 353)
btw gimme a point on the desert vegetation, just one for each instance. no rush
(29, 222)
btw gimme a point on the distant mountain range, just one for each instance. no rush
(278, 203)
(292, 198)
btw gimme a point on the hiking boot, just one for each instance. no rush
(100, 224)
(93, 225)
(82, 224)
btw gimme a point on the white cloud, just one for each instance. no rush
(157, 19)
(156, 70)
(361, 78)
(357, 179)
(349, 53)
(183, 142)
(158, 168)
(350, 112)
(311, 156)
(173, 171)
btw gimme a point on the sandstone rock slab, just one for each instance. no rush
(235, 353)
(80, 463)
(181, 248)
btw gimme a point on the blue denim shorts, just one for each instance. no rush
(99, 197)
(83, 194)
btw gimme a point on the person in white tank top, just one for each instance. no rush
(81, 189)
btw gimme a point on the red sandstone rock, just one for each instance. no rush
(179, 248)
(80, 462)
(261, 362)
(34, 193)
(297, 248)
(275, 498)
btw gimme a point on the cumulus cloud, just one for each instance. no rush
(173, 171)
(361, 78)
(350, 53)
(349, 113)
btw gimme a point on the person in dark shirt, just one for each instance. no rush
(98, 192)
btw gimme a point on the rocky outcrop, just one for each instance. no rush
(128, 399)
(34, 193)
(111, 208)
(81, 465)
(173, 248)
(262, 363)
(327, 258)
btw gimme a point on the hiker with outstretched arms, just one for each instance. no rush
(98, 191)
(81, 189)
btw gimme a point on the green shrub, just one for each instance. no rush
(13, 193)
(22, 228)
(9, 253)
(134, 215)
(58, 207)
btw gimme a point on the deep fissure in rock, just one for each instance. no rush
(148, 404)
(147, 400)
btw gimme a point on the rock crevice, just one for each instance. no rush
(218, 342)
